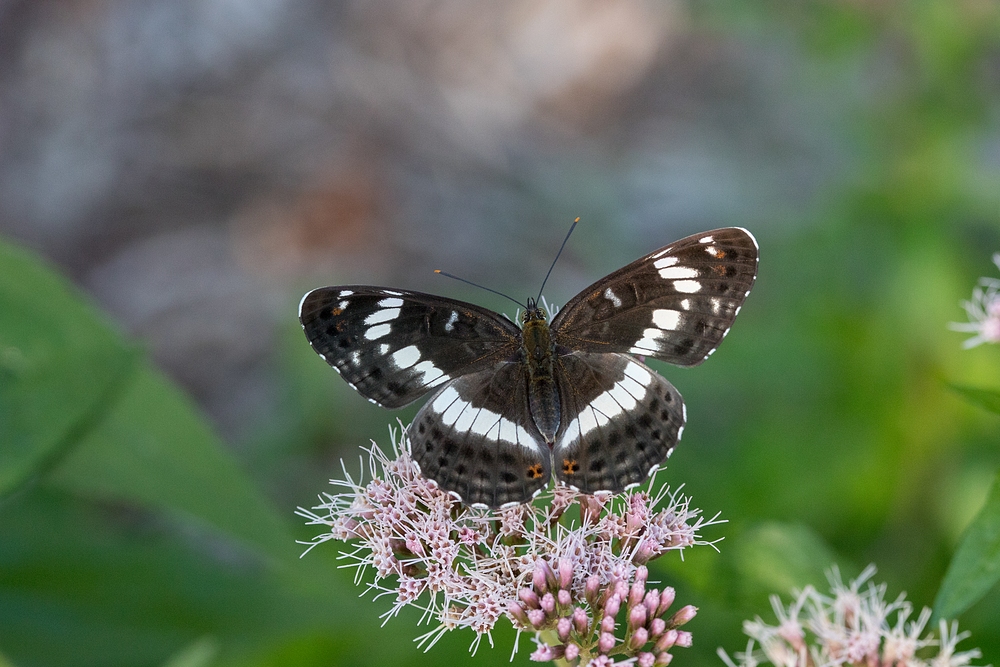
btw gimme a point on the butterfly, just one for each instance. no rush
(514, 405)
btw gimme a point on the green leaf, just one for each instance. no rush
(984, 398)
(60, 367)
(153, 448)
(80, 410)
(87, 584)
(975, 567)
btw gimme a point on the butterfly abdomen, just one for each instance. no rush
(539, 353)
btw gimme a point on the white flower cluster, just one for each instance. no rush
(852, 626)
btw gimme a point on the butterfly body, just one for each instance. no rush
(538, 351)
(513, 406)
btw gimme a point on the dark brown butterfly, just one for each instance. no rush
(514, 405)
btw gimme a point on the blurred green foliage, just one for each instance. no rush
(825, 429)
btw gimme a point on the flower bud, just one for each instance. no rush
(572, 652)
(608, 624)
(537, 618)
(683, 615)
(539, 576)
(612, 606)
(651, 602)
(637, 617)
(644, 552)
(516, 612)
(666, 599)
(636, 594)
(565, 573)
(637, 513)
(606, 642)
(580, 621)
(666, 641)
(590, 509)
(549, 603)
(563, 628)
(564, 598)
(684, 639)
(663, 659)
(529, 598)
(546, 653)
(592, 589)
(639, 639)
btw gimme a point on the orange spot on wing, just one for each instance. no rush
(535, 471)
(570, 466)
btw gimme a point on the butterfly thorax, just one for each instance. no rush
(539, 354)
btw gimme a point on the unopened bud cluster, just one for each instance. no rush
(591, 626)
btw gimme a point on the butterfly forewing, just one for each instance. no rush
(394, 346)
(621, 420)
(476, 439)
(675, 304)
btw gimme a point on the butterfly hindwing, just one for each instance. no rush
(675, 304)
(620, 419)
(476, 439)
(394, 346)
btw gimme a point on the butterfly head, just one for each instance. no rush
(533, 312)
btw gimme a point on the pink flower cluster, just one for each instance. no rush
(578, 628)
(467, 568)
(854, 625)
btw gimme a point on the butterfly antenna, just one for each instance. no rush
(571, 228)
(469, 282)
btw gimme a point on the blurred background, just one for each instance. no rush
(192, 167)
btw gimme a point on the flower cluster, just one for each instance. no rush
(983, 310)
(468, 567)
(552, 607)
(853, 626)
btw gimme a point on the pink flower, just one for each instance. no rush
(567, 574)
(983, 311)
(852, 625)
